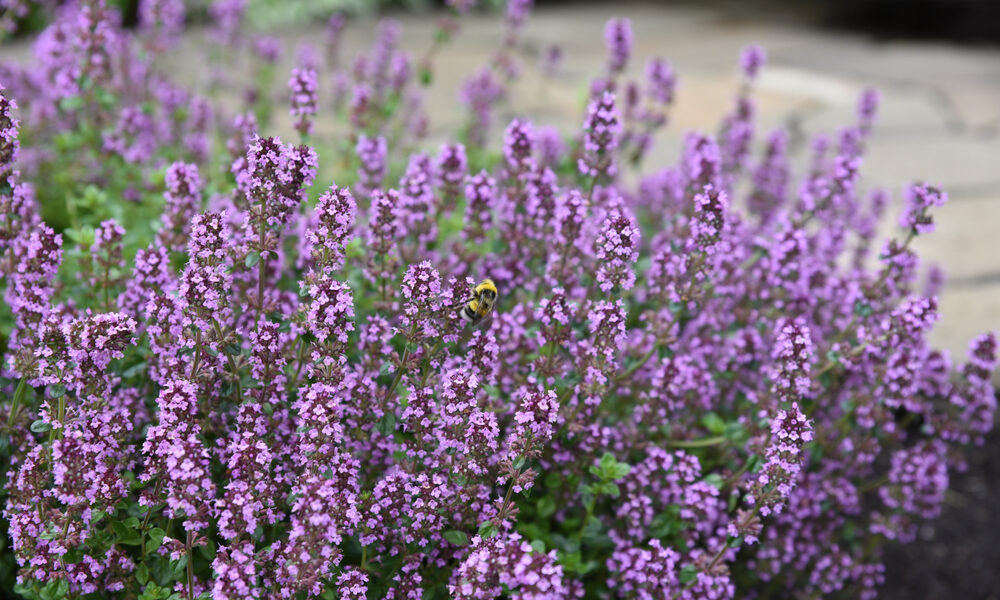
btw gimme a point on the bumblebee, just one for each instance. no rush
(480, 304)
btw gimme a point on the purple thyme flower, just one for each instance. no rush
(163, 20)
(372, 153)
(644, 573)
(237, 572)
(868, 109)
(919, 198)
(793, 352)
(323, 512)
(551, 147)
(752, 58)
(480, 92)
(661, 81)
(207, 279)
(183, 202)
(267, 49)
(709, 220)
(228, 18)
(552, 58)
(151, 276)
(534, 422)
(790, 431)
(507, 562)
(519, 140)
(352, 584)
(334, 35)
(107, 254)
(467, 431)
(462, 6)
(93, 342)
(32, 284)
(617, 250)
(416, 200)
(600, 138)
(276, 177)
(134, 136)
(977, 399)
(918, 479)
(518, 12)
(330, 317)
(701, 161)
(303, 86)
(618, 38)
(450, 169)
(174, 453)
(480, 194)
(9, 143)
(383, 232)
(771, 178)
(421, 293)
(334, 228)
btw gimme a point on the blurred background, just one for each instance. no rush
(935, 62)
(966, 21)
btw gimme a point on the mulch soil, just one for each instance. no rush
(957, 556)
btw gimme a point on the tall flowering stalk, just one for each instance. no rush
(304, 103)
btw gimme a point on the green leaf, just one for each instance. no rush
(40, 426)
(134, 370)
(715, 480)
(73, 556)
(458, 538)
(572, 562)
(487, 530)
(592, 528)
(252, 259)
(687, 574)
(546, 507)
(735, 432)
(714, 423)
(619, 471)
(57, 390)
(735, 541)
(156, 534)
(142, 574)
(207, 551)
(125, 535)
(159, 568)
(387, 424)
(55, 589)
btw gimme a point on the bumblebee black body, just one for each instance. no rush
(484, 296)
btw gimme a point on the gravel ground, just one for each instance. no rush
(957, 556)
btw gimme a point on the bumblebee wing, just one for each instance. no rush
(484, 320)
